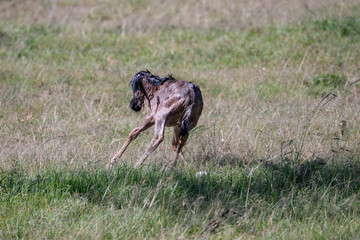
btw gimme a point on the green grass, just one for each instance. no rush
(151, 201)
(284, 158)
(326, 83)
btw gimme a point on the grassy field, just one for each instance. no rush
(279, 135)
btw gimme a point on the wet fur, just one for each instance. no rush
(172, 103)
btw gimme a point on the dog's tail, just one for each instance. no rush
(184, 129)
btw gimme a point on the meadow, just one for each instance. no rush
(279, 136)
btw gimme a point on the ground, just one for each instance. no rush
(278, 137)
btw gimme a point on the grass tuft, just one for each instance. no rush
(323, 84)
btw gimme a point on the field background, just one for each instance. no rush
(279, 135)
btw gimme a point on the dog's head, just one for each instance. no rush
(139, 94)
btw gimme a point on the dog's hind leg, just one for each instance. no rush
(175, 143)
(181, 144)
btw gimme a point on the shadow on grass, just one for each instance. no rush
(180, 189)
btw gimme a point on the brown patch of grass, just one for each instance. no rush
(191, 14)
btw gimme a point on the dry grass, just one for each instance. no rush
(130, 16)
(73, 108)
(64, 73)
